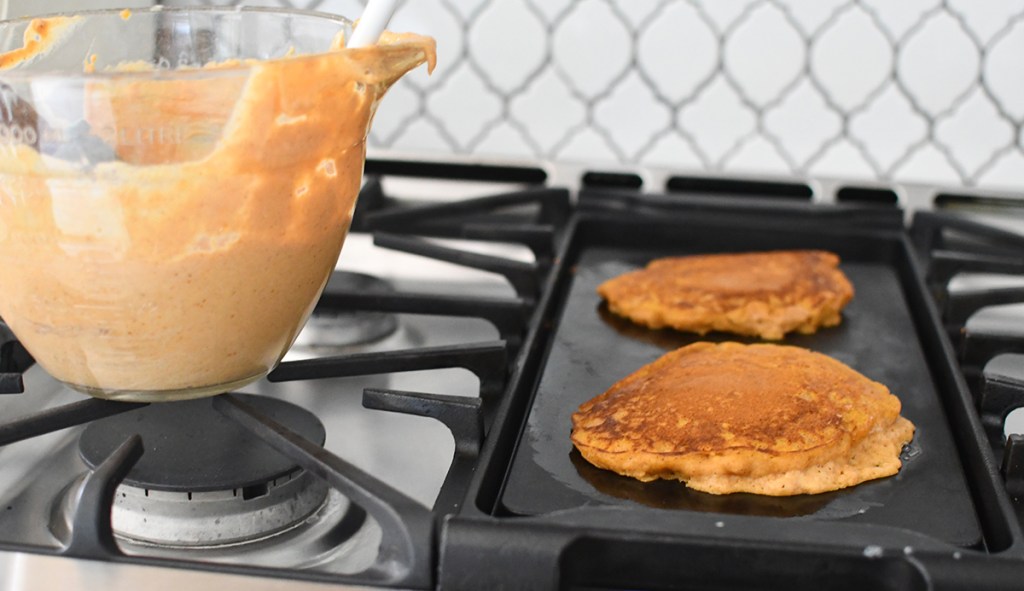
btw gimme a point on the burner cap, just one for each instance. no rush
(204, 480)
(329, 328)
(190, 447)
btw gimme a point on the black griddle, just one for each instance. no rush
(592, 349)
(557, 521)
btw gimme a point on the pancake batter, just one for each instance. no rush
(186, 265)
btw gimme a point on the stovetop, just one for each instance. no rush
(410, 453)
(430, 428)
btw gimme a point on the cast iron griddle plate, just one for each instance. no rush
(592, 349)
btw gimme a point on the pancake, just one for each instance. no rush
(766, 419)
(762, 294)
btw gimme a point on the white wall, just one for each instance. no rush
(915, 90)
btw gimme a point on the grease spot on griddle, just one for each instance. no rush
(672, 494)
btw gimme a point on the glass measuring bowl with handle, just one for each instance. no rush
(176, 186)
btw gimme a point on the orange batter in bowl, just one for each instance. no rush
(186, 265)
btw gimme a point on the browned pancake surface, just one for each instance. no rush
(765, 294)
(728, 417)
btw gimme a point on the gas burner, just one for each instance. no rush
(203, 480)
(330, 330)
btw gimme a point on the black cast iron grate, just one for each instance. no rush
(990, 343)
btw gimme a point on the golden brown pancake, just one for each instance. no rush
(764, 294)
(766, 419)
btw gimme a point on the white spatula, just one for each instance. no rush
(373, 22)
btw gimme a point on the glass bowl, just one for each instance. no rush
(176, 186)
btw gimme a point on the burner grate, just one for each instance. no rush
(55, 419)
(977, 317)
(408, 531)
(984, 318)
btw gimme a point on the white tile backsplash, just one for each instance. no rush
(850, 59)
(888, 128)
(915, 90)
(764, 55)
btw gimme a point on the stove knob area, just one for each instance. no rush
(1002, 393)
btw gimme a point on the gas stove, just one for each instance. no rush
(416, 435)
